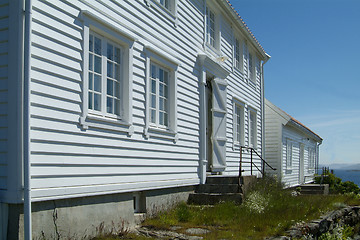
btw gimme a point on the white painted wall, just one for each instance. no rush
(279, 130)
(68, 160)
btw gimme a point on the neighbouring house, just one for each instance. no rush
(290, 147)
(112, 108)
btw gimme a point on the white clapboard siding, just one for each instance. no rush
(4, 124)
(280, 128)
(67, 159)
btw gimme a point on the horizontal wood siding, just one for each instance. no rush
(273, 144)
(69, 161)
(241, 89)
(292, 177)
(4, 124)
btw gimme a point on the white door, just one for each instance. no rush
(218, 136)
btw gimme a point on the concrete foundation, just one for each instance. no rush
(86, 217)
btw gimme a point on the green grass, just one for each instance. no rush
(268, 211)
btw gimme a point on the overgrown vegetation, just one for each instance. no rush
(268, 210)
(336, 185)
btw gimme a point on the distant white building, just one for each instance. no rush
(126, 106)
(290, 147)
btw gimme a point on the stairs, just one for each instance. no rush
(219, 188)
(312, 189)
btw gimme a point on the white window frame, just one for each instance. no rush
(289, 153)
(311, 158)
(169, 131)
(238, 54)
(252, 127)
(238, 128)
(95, 119)
(215, 46)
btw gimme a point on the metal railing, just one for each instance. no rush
(252, 163)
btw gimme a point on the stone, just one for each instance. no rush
(197, 231)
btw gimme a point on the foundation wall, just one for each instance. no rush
(83, 218)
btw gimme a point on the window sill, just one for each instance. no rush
(161, 133)
(212, 50)
(111, 124)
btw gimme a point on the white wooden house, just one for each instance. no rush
(290, 147)
(120, 104)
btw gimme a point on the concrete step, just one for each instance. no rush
(218, 188)
(312, 192)
(315, 189)
(213, 198)
(221, 179)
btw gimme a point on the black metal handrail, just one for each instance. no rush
(262, 171)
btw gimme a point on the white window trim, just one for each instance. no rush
(93, 23)
(170, 14)
(239, 68)
(252, 111)
(311, 158)
(289, 154)
(237, 103)
(217, 40)
(154, 55)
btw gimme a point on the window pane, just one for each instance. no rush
(98, 64)
(97, 83)
(161, 75)
(153, 86)
(161, 89)
(97, 46)
(90, 81)
(166, 77)
(161, 104)
(110, 87)
(161, 118)
(117, 90)
(90, 100)
(97, 102)
(91, 43)
(153, 101)
(117, 55)
(110, 69)
(166, 119)
(110, 51)
(153, 116)
(109, 105)
(91, 59)
(117, 107)
(153, 71)
(117, 72)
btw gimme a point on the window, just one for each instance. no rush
(238, 121)
(289, 153)
(167, 8)
(165, 3)
(251, 68)
(105, 76)
(252, 129)
(238, 57)
(159, 95)
(210, 28)
(311, 156)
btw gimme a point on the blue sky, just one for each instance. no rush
(314, 70)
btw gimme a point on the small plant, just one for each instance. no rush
(339, 233)
(256, 202)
